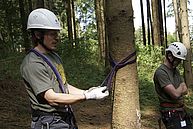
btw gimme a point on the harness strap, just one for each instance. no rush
(171, 105)
(115, 66)
(61, 85)
(37, 113)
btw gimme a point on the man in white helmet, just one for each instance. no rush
(171, 88)
(44, 78)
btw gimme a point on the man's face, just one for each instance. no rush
(176, 62)
(51, 38)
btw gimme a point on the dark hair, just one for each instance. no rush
(35, 40)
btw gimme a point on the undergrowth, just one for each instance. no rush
(83, 69)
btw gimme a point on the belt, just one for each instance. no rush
(173, 110)
(178, 112)
(171, 105)
(37, 113)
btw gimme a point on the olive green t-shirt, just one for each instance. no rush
(39, 77)
(164, 76)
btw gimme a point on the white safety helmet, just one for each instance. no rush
(178, 50)
(43, 19)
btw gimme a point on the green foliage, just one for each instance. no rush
(10, 67)
(81, 63)
(149, 58)
(148, 97)
(171, 38)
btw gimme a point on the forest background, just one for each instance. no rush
(84, 64)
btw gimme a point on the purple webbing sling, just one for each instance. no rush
(61, 85)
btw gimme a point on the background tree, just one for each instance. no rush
(143, 23)
(120, 31)
(186, 40)
(157, 22)
(99, 8)
(24, 25)
(176, 7)
(70, 24)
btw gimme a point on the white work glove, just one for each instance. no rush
(96, 93)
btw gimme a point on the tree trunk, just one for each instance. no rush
(143, 23)
(149, 25)
(120, 28)
(99, 7)
(158, 34)
(23, 23)
(177, 20)
(30, 5)
(40, 4)
(165, 24)
(156, 27)
(74, 24)
(186, 41)
(50, 4)
(69, 21)
(9, 26)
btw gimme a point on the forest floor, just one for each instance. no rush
(15, 110)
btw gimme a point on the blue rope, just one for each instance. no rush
(61, 85)
(115, 66)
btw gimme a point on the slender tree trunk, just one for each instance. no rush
(165, 23)
(30, 5)
(40, 4)
(69, 21)
(99, 7)
(23, 23)
(160, 16)
(143, 23)
(50, 4)
(74, 24)
(149, 25)
(177, 20)
(186, 41)
(9, 26)
(158, 35)
(156, 25)
(120, 28)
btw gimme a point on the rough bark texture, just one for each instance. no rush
(156, 27)
(158, 33)
(186, 41)
(99, 7)
(120, 28)
(176, 14)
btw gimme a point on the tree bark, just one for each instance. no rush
(69, 21)
(156, 27)
(186, 41)
(99, 7)
(23, 23)
(120, 28)
(30, 5)
(143, 23)
(177, 20)
(74, 24)
(40, 4)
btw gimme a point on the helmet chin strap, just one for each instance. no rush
(171, 62)
(41, 42)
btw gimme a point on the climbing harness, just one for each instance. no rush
(174, 115)
(115, 66)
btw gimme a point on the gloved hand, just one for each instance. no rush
(96, 93)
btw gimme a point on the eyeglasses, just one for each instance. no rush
(53, 34)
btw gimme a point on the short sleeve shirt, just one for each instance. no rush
(164, 76)
(39, 77)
